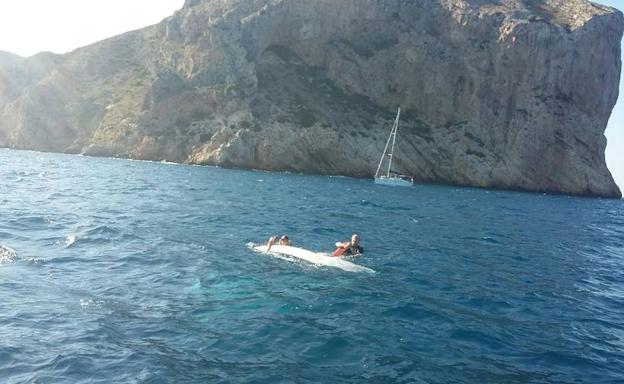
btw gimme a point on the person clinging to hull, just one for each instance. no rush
(282, 241)
(349, 248)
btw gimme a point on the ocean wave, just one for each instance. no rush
(30, 222)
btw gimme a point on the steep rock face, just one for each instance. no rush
(496, 93)
(8, 62)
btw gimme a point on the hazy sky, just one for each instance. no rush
(31, 26)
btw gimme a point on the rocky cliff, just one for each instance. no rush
(496, 93)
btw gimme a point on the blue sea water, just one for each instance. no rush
(137, 272)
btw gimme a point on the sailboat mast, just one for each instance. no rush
(395, 127)
(383, 156)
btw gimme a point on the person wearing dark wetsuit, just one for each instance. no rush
(349, 248)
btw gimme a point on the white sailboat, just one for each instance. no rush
(386, 176)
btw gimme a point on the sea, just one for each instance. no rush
(119, 271)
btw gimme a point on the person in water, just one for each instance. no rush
(349, 248)
(282, 241)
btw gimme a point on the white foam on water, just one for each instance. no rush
(70, 240)
(91, 303)
(7, 255)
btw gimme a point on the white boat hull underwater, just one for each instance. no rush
(387, 177)
(316, 258)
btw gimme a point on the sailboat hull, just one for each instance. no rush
(394, 181)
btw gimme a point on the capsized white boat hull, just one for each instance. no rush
(313, 257)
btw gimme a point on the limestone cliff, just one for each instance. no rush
(497, 93)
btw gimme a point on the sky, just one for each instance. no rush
(31, 26)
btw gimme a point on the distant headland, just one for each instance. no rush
(496, 93)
